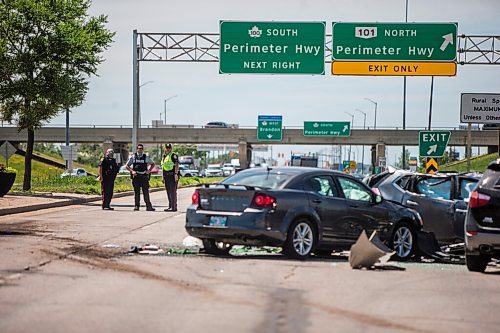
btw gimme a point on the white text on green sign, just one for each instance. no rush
(394, 41)
(272, 47)
(269, 128)
(327, 128)
(433, 143)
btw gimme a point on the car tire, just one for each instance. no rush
(211, 246)
(403, 241)
(187, 175)
(301, 239)
(476, 263)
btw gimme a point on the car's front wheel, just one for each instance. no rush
(403, 241)
(301, 239)
(214, 247)
(476, 263)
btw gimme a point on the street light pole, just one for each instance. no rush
(352, 125)
(375, 121)
(139, 102)
(363, 155)
(165, 106)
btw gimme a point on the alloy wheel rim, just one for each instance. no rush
(403, 242)
(303, 239)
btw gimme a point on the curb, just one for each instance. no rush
(69, 202)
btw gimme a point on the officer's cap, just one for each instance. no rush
(168, 145)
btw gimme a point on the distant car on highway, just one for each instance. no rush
(78, 172)
(228, 169)
(216, 124)
(187, 172)
(212, 170)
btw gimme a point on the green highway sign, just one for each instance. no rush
(394, 42)
(272, 47)
(433, 143)
(327, 128)
(270, 128)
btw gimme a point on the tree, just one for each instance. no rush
(399, 163)
(48, 51)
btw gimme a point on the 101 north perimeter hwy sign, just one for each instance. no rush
(269, 128)
(272, 47)
(480, 108)
(327, 128)
(433, 143)
(394, 48)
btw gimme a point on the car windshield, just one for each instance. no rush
(213, 168)
(258, 179)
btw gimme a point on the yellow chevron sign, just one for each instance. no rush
(431, 166)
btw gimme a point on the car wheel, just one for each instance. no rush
(403, 241)
(476, 263)
(187, 175)
(301, 240)
(211, 246)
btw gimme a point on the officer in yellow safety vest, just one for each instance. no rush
(170, 168)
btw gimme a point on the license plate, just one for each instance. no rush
(217, 221)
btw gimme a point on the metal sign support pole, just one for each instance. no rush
(469, 145)
(135, 87)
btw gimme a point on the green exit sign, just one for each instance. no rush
(433, 143)
(270, 128)
(272, 47)
(327, 128)
(394, 41)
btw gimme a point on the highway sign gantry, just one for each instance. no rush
(394, 48)
(272, 47)
(433, 143)
(270, 128)
(327, 128)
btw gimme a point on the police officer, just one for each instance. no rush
(107, 174)
(170, 168)
(138, 167)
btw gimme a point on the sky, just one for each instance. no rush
(204, 95)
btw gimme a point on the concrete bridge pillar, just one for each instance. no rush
(245, 153)
(380, 151)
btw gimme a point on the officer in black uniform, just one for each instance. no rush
(138, 167)
(170, 170)
(107, 174)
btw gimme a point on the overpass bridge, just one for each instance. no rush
(120, 137)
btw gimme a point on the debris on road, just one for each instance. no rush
(191, 241)
(365, 253)
(146, 249)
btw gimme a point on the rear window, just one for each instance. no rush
(261, 179)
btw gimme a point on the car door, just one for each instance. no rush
(325, 199)
(463, 188)
(431, 197)
(361, 211)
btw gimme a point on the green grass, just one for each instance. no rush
(477, 164)
(46, 178)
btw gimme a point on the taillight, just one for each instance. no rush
(478, 200)
(262, 200)
(195, 198)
